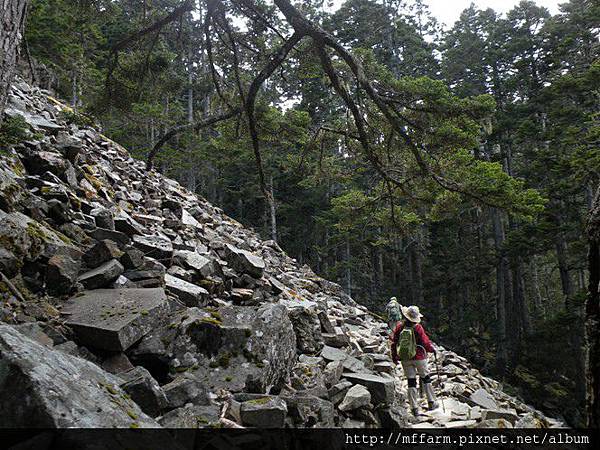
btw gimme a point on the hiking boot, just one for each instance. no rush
(415, 412)
(433, 405)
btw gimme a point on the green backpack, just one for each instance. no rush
(407, 344)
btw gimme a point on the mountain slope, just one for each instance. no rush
(191, 319)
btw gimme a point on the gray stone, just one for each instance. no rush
(309, 411)
(381, 389)
(188, 293)
(185, 389)
(510, 416)
(132, 258)
(61, 273)
(117, 363)
(349, 362)
(307, 329)
(35, 332)
(484, 399)
(115, 319)
(116, 236)
(333, 372)
(192, 260)
(101, 276)
(144, 390)
(104, 218)
(48, 389)
(101, 252)
(244, 261)
(155, 246)
(338, 391)
(356, 397)
(192, 416)
(266, 412)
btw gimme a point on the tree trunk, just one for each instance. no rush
(12, 23)
(348, 268)
(501, 278)
(593, 319)
(563, 268)
(272, 211)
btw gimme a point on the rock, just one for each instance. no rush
(101, 252)
(115, 319)
(460, 424)
(333, 372)
(356, 397)
(132, 258)
(192, 260)
(101, 234)
(381, 389)
(39, 162)
(483, 398)
(50, 389)
(309, 411)
(266, 412)
(349, 362)
(244, 261)
(188, 293)
(307, 329)
(338, 391)
(384, 367)
(192, 416)
(144, 390)
(326, 324)
(104, 218)
(530, 420)
(102, 275)
(117, 363)
(61, 273)
(9, 263)
(34, 331)
(336, 339)
(183, 390)
(509, 416)
(155, 246)
(492, 423)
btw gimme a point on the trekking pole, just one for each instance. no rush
(440, 383)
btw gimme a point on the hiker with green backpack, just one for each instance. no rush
(410, 345)
(392, 311)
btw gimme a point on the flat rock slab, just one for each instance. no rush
(381, 389)
(115, 319)
(43, 388)
(188, 293)
(483, 398)
(243, 261)
(349, 362)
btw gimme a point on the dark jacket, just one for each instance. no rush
(423, 342)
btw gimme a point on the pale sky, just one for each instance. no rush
(448, 11)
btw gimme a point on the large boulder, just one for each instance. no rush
(42, 388)
(243, 261)
(115, 319)
(266, 412)
(144, 390)
(102, 275)
(155, 246)
(356, 397)
(381, 389)
(307, 328)
(237, 348)
(188, 293)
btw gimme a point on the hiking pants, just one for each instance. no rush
(411, 367)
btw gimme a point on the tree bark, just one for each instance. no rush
(12, 23)
(501, 278)
(593, 319)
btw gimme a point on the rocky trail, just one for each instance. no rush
(127, 301)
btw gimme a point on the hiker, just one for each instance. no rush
(410, 345)
(393, 313)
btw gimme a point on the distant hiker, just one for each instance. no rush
(410, 345)
(393, 313)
